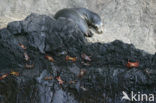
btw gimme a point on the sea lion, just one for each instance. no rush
(84, 18)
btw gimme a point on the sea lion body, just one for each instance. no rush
(83, 18)
(75, 17)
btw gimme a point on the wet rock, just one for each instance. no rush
(103, 81)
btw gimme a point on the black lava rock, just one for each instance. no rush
(100, 80)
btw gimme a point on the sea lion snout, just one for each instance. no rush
(99, 28)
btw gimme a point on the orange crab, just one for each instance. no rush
(86, 57)
(59, 80)
(132, 64)
(51, 59)
(3, 76)
(22, 46)
(82, 73)
(68, 58)
(14, 73)
(26, 57)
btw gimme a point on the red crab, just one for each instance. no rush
(132, 64)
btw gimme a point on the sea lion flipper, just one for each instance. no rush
(90, 34)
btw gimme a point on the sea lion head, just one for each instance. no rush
(96, 23)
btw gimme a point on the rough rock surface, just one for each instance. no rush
(132, 21)
(105, 78)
